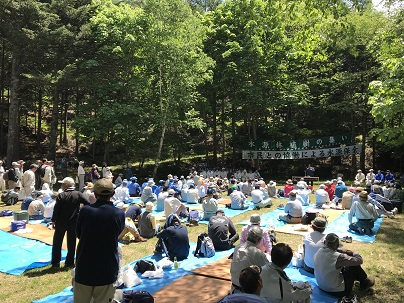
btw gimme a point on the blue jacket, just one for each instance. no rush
(134, 189)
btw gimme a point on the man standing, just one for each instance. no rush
(222, 231)
(12, 175)
(81, 174)
(97, 262)
(49, 177)
(28, 179)
(64, 220)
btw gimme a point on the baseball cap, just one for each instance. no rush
(104, 187)
(68, 181)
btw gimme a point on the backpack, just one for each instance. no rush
(281, 193)
(206, 247)
(144, 265)
(193, 215)
(9, 199)
(137, 296)
(4, 197)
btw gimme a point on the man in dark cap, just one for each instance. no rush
(312, 242)
(97, 263)
(337, 269)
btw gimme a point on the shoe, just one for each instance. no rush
(257, 208)
(368, 283)
(140, 239)
(394, 211)
(347, 239)
(193, 222)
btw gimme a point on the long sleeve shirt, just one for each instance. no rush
(362, 211)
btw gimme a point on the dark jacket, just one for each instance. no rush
(67, 206)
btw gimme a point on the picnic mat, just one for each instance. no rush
(152, 285)
(340, 227)
(39, 231)
(18, 254)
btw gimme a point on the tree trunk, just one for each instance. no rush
(364, 138)
(233, 135)
(39, 130)
(223, 127)
(354, 162)
(14, 112)
(65, 122)
(156, 162)
(76, 130)
(214, 132)
(2, 103)
(53, 135)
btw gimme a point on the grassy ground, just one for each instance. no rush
(382, 259)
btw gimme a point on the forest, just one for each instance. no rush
(147, 80)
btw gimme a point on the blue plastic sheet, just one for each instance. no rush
(151, 285)
(18, 254)
(317, 296)
(340, 227)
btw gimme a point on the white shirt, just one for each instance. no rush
(28, 178)
(322, 196)
(362, 210)
(257, 196)
(192, 195)
(237, 199)
(312, 243)
(171, 205)
(49, 209)
(122, 193)
(80, 170)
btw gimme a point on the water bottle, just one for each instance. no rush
(175, 263)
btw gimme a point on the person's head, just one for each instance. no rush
(104, 189)
(210, 191)
(149, 206)
(363, 196)
(124, 182)
(254, 234)
(220, 212)
(81, 163)
(331, 241)
(250, 280)
(281, 255)
(66, 183)
(15, 164)
(171, 192)
(359, 171)
(376, 189)
(255, 219)
(172, 220)
(359, 189)
(319, 224)
(322, 186)
(292, 195)
(289, 181)
(33, 167)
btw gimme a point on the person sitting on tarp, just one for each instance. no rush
(148, 227)
(251, 285)
(122, 192)
(245, 255)
(339, 190)
(337, 269)
(192, 194)
(161, 197)
(365, 214)
(271, 188)
(293, 210)
(277, 286)
(382, 204)
(36, 208)
(238, 200)
(265, 244)
(303, 195)
(173, 239)
(174, 206)
(222, 231)
(322, 196)
(288, 188)
(28, 200)
(260, 197)
(134, 187)
(209, 204)
(148, 195)
(312, 242)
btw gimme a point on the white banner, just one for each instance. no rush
(303, 154)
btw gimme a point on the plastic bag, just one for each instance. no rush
(129, 277)
(154, 274)
(165, 263)
(299, 257)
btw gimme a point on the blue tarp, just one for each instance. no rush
(18, 254)
(151, 285)
(340, 227)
